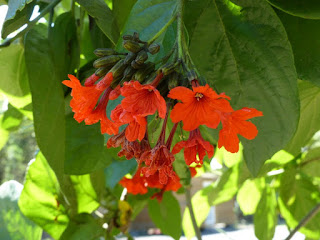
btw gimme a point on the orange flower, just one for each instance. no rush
(197, 107)
(137, 125)
(194, 146)
(90, 81)
(173, 184)
(235, 123)
(136, 185)
(142, 100)
(115, 93)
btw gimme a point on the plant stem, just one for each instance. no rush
(47, 9)
(193, 219)
(305, 220)
(161, 30)
(180, 28)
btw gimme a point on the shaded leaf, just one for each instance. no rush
(13, 224)
(83, 227)
(241, 48)
(305, 9)
(11, 119)
(103, 16)
(47, 98)
(121, 10)
(19, 13)
(166, 215)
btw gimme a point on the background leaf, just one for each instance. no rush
(41, 199)
(309, 122)
(103, 16)
(265, 218)
(13, 224)
(241, 49)
(166, 215)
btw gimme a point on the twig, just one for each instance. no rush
(193, 219)
(304, 221)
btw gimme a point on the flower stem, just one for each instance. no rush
(305, 220)
(161, 30)
(47, 9)
(193, 219)
(180, 28)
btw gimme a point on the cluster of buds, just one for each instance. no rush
(168, 91)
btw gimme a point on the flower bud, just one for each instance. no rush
(169, 68)
(142, 73)
(102, 71)
(154, 48)
(141, 57)
(173, 80)
(131, 46)
(136, 65)
(118, 69)
(101, 52)
(129, 58)
(127, 37)
(192, 75)
(106, 61)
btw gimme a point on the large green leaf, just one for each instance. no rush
(121, 10)
(13, 225)
(309, 117)
(166, 215)
(103, 16)
(305, 9)
(47, 98)
(19, 12)
(147, 17)
(83, 227)
(63, 40)
(265, 218)
(242, 49)
(41, 199)
(303, 35)
(14, 80)
(85, 151)
(298, 196)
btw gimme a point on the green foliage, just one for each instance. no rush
(305, 9)
(242, 59)
(166, 215)
(41, 198)
(14, 225)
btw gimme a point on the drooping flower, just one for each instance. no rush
(137, 125)
(90, 81)
(235, 123)
(195, 148)
(142, 100)
(200, 106)
(136, 185)
(115, 93)
(128, 149)
(173, 184)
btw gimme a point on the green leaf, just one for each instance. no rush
(166, 215)
(98, 39)
(305, 9)
(201, 208)
(4, 135)
(41, 199)
(309, 117)
(249, 195)
(13, 224)
(116, 170)
(265, 218)
(242, 49)
(103, 16)
(11, 119)
(83, 156)
(296, 199)
(121, 10)
(14, 80)
(19, 13)
(64, 43)
(227, 158)
(47, 98)
(147, 17)
(87, 198)
(83, 227)
(303, 37)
